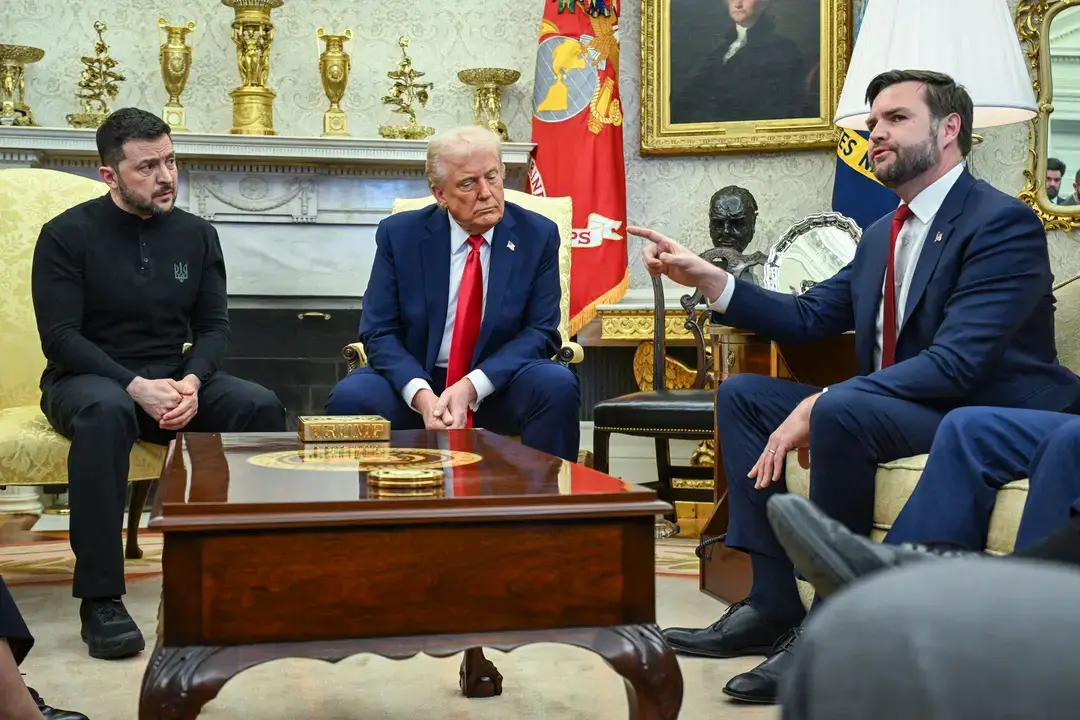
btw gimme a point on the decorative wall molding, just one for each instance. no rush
(44, 143)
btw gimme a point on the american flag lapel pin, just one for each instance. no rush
(937, 238)
(510, 245)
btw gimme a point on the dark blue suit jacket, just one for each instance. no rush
(404, 310)
(978, 326)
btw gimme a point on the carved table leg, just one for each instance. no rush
(478, 677)
(176, 685)
(654, 685)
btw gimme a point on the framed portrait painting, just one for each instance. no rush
(741, 75)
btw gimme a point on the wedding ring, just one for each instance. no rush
(771, 451)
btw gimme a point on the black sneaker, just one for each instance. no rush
(51, 713)
(109, 630)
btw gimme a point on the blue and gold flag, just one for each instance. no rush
(856, 192)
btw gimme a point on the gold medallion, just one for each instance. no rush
(400, 478)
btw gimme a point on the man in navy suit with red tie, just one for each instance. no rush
(951, 301)
(461, 313)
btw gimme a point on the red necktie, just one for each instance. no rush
(888, 324)
(470, 311)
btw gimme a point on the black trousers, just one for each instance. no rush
(12, 627)
(103, 423)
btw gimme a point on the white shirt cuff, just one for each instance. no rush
(721, 303)
(483, 387)
(411, 388)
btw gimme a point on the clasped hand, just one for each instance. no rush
(449, 410)
(172, 403)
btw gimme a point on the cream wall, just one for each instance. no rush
(668, 193)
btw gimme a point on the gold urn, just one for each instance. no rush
(334, 65)
(487, 107)
(13, 62)
(174, 56)
(253, 33)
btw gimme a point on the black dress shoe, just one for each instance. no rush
(829, 555)
(741, 630)
(108, 629)
(51, 713)
(762, 684)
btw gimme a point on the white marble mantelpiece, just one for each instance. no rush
(296, 215)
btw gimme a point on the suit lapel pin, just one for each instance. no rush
(937, 238)
(510, 245)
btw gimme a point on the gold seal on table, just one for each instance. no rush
(382, 493)
(342, 428)
(400, 478)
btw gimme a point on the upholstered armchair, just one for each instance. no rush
(31, 452)
(558, 210)
(895, 481)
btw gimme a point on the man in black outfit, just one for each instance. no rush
(120, 283)
(18, 702)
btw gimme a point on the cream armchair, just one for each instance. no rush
(895, 481)
(31, 452)
(558, 210)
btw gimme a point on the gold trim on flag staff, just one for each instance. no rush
(342, 428)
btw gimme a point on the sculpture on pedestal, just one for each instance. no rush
(487, 108)
(404, 92)
(13, 62)
(732, 222)
(253, 33)
(97, 82)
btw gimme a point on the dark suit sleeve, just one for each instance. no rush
(539, 335)
(822, 311)
(1004, 275)
(56, 286)
(210, 316)
(380, 322)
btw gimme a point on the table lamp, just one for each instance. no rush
(973, 41)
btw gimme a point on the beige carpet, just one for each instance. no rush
(544, 681)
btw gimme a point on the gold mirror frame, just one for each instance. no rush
(1033, 18)
(661, 137)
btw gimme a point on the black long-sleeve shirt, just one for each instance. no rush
(114, 293)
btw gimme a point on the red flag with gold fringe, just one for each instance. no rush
(577, 129)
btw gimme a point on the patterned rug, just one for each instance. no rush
(51, 561)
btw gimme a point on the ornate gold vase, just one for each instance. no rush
(334, 67)
(252, 32)
(13, 62)
(174, 56)
(489, 82)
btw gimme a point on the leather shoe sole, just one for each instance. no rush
(756, 699)
(808, 545)
(117, 647)
(723, 655)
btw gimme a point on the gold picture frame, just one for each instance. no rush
(1032, 20)
(661, 136)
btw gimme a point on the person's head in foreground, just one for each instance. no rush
(137, 162)
(465, 172)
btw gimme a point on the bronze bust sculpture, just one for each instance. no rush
(732, 222)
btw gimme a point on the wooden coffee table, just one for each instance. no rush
(274, 549)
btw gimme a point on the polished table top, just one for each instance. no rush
(266, 480)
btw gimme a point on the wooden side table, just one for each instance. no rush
(725, 574)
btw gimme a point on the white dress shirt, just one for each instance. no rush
(459, 252)
(909, 244)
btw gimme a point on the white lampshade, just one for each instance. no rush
(973, 41)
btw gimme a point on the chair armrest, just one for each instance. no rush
(570, 354)
(354, 354)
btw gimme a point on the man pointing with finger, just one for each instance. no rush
(461, 313)
(950, 299)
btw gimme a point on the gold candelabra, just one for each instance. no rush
(174, 56)
(13, 62)
(487, 108)
(253, 33)
(98, 82)
(334, 67)
(404, 92)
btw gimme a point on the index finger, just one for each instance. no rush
(647, 233)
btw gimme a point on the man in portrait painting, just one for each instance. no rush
(748, 70)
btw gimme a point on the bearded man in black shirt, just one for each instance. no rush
(120, 283)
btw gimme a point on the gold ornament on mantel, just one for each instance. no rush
(98, 81)
(253, 102)
(13, 62)
(174, 56)
(403, 94)
(334, 67)
(489, 82)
